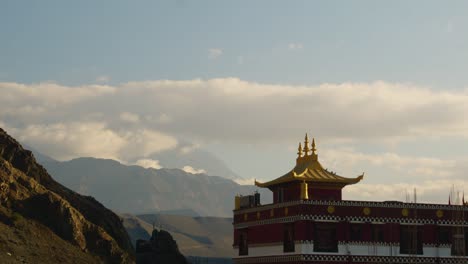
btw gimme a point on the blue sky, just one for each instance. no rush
(382, 85)
(422, 42)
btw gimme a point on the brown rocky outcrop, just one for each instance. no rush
(160, 249)
(28, 191)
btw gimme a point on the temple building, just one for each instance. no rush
(309, 222)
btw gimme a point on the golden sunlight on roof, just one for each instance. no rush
(309, 169)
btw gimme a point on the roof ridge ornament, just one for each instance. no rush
(299, 150)
(309, 169)
(313, 146)
(314, 151)
(306, 146)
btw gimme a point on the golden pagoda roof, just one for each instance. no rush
(309, 169)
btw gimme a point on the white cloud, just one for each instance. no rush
(188, 149)
(71, 140)
(230, 109)
(164, 118)
(250, 181)
(144, 142)
(63, 141)
(295, 46)
(49, 94)
(390, 176)
(148, 163)
(214, 53)
(93, 120)
(190, 169)
(419, 167)
(161, 119)
(129, 117)
(379, 110)
(103, 79)
(431, 191)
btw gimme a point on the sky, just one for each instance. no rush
(382, 86)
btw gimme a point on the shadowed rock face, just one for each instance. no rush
(160, 249)
(26, 189)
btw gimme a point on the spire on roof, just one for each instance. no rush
(309, 169)
(313, 146)
(306, 146)
(299, 151)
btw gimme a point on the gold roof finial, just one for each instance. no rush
(299, 150)
(306, 145)
(313, 146)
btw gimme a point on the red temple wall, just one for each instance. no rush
(430, 234)
(316, 193)
(304, 230)
(262, 213)
(292, 192)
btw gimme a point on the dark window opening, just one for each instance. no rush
(444, 234)
(325, 239)
(280, 195)
(288, 240)
(458, 242)
(243, 243)
(411, 239)
(378, 233)
(355, 233)
(466, 242)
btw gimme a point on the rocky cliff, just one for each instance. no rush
(160, 249)
(43, 221)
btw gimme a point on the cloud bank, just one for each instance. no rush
(239, 111)
(130, 121)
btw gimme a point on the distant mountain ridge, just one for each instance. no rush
(176, 158)
(196, 158)
(136, 190)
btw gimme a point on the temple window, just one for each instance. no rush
(355, 233)
(459, 242)
(466, 242)
(288, 240)
(444, 234)
(411, 239)
(325, 237)
(378, 233)
(280, 195)
(243, 243)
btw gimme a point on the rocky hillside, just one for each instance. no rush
(42, 221)
(161, 248)
(209, 237)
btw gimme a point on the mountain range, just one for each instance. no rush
(195, 208)
(197, 158)
(137, 190)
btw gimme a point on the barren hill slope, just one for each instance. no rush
(196, 236)
(42, 221)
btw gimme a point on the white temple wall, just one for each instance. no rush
(345, 249)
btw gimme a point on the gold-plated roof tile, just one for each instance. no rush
(309, 169)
